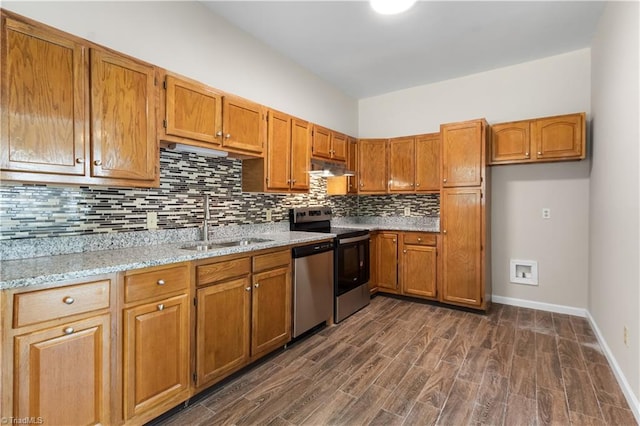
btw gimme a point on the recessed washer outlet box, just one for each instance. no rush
(523, 272)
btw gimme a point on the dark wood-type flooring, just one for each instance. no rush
(399, 362)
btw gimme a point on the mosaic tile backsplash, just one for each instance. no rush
(34, 210)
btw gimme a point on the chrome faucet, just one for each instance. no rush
(205, 222)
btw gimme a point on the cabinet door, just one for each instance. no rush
(43, 101)
(352, 164)
(463, 153)
(559, 137)
(156, 354)
(428, 162)
(510, 142)
(220, 350)
(62, 374)
(123, 109)
(278, 151)
(401, 165)
(321, 145)
(372, 164)
(373, 264)
(243, 125)
(300, 154)
(461, 220)
(271, 310)
(194, 111)
(388, 261)
(338, 146)
(418, 267)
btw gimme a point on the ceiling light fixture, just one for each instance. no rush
(391, 7)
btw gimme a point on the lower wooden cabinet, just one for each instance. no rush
(62, 373)
(155, 340)
(387, 262)
(418, 266)
(56, 352)
(243, 312)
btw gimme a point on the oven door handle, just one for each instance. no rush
(354, 239)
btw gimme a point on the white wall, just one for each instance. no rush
(614, 255)
(554, 85)
(187, 38)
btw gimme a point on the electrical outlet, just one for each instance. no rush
(407, 211)
(268, 215)
(626, 336)
(546, 213)
(152, 220)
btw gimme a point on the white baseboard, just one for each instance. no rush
(550, 307)
(632, 400)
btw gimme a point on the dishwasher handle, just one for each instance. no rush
(311, 249)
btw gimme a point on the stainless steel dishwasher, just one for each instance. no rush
(312, 286)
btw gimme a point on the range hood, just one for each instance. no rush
(326, 169)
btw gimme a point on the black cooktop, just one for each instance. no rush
(343, 232)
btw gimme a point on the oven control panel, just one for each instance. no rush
(310, 214)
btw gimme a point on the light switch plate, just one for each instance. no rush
(407, 211)
(546, 213)
(152, 220)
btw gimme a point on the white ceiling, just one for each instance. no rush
(365, 54)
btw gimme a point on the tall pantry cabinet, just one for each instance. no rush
(464, 215)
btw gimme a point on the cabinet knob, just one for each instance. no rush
(98, 162)
(227, 136)
(68, 330)
(526, 154)
(68, 300)
(79, 160)
(419, 240)
(248, 288)
(293, 181)
(444, 232)
(161, 282)
(404, 251)
(256, 285)
(361, 184)
(288, 180)
(417, 184)
(394, 240)
(219, 133)
(539, 153)
(161, 307)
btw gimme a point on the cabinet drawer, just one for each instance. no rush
(45, 305)
(158, 282)
(420, 238)
(220, 271)
(263, 262)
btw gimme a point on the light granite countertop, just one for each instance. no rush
(46, 269)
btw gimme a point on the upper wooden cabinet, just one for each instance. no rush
(427, 162)
(244, 125)
(372, 165)
(557, 138)
(192, 112)
(43, 92)
(402, 164)
(48, 134)
(328, 145)
(343, 185)
(285, 168)
(463, 153)
(123, 126)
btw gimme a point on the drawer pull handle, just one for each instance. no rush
(161, 307)
(161, 282)
(68, 330)
(68, 300)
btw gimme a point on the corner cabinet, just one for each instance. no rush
(464, 224)
(328, 145)
(558, 138)
(73, 112)
(57, 353)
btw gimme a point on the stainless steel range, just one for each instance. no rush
(351, 258)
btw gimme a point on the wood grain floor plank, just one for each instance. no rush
(422, 414)
(552, 407)
(500, 360)
(364, 353)
(548, 371)
(456, 351)
(460, 404)
(361, 412)
(520, 411)
(329, 414)
(606, 386)
(570, 354)
(543, 321)
(492, 396)
(592, 354)
(385, 418)
(363, 377)
(234, 412)
(546, 343)
(526, 318)
(563, 327)
(525, 342)
(580, 394)
(313, 397)
(195, 415)
(523, 377)
(474, 364)
(617, 416)
(579, 419)
(390, 377)
(430, 357)
(404, 396)
(436, 390)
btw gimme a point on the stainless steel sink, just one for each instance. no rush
(202, 246)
